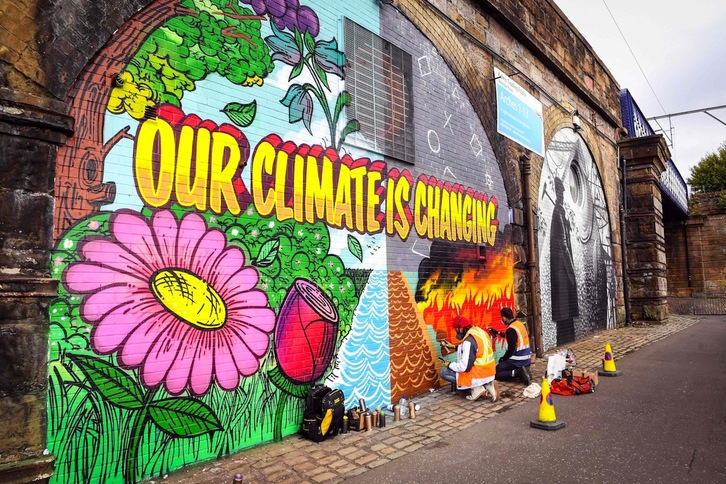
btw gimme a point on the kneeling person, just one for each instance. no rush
(516, 360)
(474, 366)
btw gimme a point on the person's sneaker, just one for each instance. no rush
(476, 392)
(493, 388)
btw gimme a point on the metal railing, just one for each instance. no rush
(698, 304)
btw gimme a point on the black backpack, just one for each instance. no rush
(323, 415)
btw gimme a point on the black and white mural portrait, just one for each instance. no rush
(576, 267)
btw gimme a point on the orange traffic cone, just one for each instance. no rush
(547, 419)
(608, 363)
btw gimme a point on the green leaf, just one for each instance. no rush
(241, 114)
(115, 385)
(352, 126)
(309, 42)
(267, 254)
(355, 248)
(297, 390)
(343, 100)
(184, 417)
(296, 71)
(322, 75)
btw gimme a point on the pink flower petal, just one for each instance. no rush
(178, 376)
(165, 230)
(201, 374)
(253, 337)
(256, 315)
(247, 362)
(242, 281)
(81, 277)
(100, 304)
(226, 265)
(225, 368)
(114, 256)
(162, 354)
(205, 255)
(110, 332)
(143, 336)
(134, 233)
(191, 230)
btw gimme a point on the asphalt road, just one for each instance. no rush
(663, 421)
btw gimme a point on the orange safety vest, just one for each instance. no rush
(484, 365)
(523, 352)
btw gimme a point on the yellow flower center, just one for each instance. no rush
(190, 298)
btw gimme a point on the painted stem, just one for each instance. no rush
(279, 413)
(137, 432)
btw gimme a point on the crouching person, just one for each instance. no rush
(516, 360)
(474, 367)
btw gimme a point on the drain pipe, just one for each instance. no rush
(532, 264)
(623, 237)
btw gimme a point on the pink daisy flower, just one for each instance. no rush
(172, 299)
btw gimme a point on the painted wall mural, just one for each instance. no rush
(576, 271)
(226, 237)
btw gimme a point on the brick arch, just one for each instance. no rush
(477, 84)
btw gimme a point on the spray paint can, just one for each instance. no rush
(362, 404)
(382, 420)
(369, 422)
(411, 410)
(345, 424)
(375, 417)
(396, 413)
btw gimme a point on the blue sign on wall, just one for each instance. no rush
(519, 114)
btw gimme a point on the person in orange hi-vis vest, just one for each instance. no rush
(474, 367)
(516, 360)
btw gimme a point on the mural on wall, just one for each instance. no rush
(221, 247)
(576, 272)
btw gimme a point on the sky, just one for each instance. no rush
(680, 47)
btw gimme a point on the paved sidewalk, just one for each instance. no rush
(299, 461)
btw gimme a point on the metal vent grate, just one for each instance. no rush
(379, 81)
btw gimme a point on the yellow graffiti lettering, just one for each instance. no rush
(319, 199)
(492, 221)
(225, 161)
(263, 163)
(188, 193)
(434, 202)
(420, 220)
(155, 144)
(374, 200)
(466, 216)
(298, 188)
(445, 223)
(343, 207)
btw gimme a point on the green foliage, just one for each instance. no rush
(709, 175)
(214, 38)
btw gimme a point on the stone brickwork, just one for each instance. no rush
(695, 249)
(45, 46)
(645, 239)
(29, 138)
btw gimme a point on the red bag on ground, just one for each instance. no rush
(572, 385)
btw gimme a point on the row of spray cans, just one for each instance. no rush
(361, 418)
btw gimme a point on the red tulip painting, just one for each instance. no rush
(306, 332)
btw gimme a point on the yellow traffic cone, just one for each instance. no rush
(608, 363)
(547, 418)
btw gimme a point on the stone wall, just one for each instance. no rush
(44, 48)
(695, 248)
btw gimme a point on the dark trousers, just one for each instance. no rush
(505, 370)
